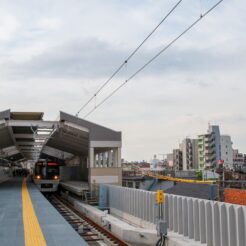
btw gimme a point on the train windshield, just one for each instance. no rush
(47, 171)
(52, 171)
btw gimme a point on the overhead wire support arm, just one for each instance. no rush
(129, 57)
(156, 56)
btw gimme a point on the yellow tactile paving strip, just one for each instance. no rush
(32, 230)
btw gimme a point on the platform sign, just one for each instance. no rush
(159, 196)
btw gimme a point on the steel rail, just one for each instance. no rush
(98, 227)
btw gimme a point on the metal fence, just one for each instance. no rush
(213, 223)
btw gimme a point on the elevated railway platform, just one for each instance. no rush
(75, 187)
(27, 218)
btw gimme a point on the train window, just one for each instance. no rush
(52, 171)
(38, 170)
(44, 171)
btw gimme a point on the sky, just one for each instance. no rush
(55, 54)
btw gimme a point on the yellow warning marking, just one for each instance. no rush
(158, 176)
(32, 231)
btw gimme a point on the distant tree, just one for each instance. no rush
(199, 175)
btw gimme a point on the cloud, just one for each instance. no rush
(8, 26)
(50, 23)
(54, 55)
(93, 58)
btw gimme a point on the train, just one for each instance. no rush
(47, 175)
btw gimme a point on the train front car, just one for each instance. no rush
(46, 176)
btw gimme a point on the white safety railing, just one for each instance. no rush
(210, 222)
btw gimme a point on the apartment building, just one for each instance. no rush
(206, 151)
(177, 159)
(187, 154)
(195, 154)
(215, 131)
(226, 151)
(209, 152)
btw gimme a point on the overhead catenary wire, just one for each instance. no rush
(154, 57)
(129, 57)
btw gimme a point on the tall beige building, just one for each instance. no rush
(226, 151)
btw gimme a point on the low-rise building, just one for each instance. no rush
(238, 159)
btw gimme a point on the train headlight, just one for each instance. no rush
(38, 177)
(56, 177)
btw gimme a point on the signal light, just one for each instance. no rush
(159, 196)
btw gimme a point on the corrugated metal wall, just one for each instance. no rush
(214, 223)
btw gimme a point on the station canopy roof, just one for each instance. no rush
(26, 136)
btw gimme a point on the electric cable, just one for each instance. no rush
(129, 57)
(154, 57)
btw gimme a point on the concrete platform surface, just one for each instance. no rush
(75, 187)
(56, 230)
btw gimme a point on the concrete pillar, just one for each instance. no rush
(118, 157)
(104, 159)
(109, 158)
(91, 156)
(115, 163)
(101, 159)
(95, 159)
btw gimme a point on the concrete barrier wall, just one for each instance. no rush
(72, 173)
(213, 223)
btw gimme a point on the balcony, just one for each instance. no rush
(200, 146)
(200, 141)
(209, 152)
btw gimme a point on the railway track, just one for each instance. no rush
(93, 233)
